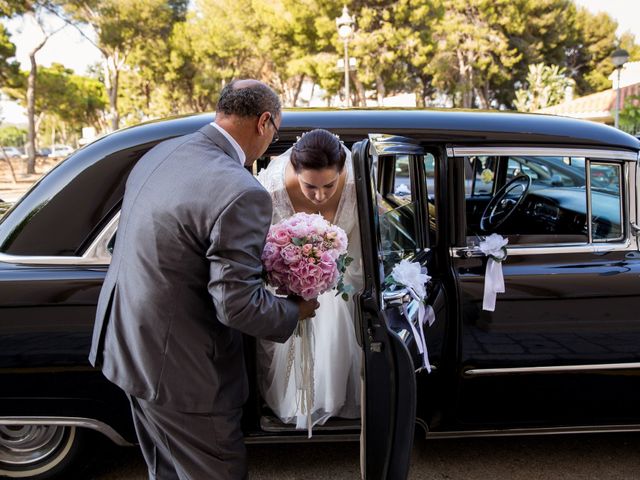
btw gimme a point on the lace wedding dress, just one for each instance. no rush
(336, 352)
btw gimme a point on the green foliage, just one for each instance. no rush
(166, 57)
(628, 42)
(9, 69)
(546, 85)
(474, 58)
(75, 100)
(589, 60)
(630, 115)
(12, 135)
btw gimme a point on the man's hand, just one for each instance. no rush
(307, 307)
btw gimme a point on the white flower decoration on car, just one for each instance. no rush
(414, 278)
(495, 248)
(412, 275)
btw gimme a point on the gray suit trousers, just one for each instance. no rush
(189, 446)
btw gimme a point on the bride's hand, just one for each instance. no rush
(307, 308)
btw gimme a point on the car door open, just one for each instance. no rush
(391, 229)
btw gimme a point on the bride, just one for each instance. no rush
(316, 176)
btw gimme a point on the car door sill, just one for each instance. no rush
(271, 424)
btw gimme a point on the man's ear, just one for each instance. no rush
(262, 123)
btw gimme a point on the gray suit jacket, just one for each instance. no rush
(185, 279)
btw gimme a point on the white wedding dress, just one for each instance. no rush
(336, 352)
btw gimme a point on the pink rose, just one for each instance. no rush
(278, 265)
(307, 248)
(280, 237)
(309, 293)
(290, 254)
(269, 254)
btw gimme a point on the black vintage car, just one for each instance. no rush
(560, 352)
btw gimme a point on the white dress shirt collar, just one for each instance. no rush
(232, 141)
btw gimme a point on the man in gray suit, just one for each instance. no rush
(185, 283)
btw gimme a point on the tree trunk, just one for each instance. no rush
(31, 112)
(6, 158)
(296, 92)
(361, 98)
(112, 77)
(313, 89)
(380, 90)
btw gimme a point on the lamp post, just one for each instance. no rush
(619, 58)
(345, 31)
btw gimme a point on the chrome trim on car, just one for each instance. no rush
(97, 253)
(317, 438)
(89, 423)
(534, 431)
(546, 152)
(477, 372)
(99, 249)
(597, 248)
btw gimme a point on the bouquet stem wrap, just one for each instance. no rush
(300, 356)
(494, 247)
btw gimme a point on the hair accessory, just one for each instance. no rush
(299, 137)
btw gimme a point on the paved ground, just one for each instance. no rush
(11, 191)
(566, 457)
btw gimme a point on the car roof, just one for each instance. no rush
(91, 180)
(449, 125)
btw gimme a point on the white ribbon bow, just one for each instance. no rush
(414, 277)
(494, 247)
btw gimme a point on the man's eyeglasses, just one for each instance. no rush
(276, 134)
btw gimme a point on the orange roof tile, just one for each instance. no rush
(596, 105)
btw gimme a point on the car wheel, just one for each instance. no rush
(38, 452)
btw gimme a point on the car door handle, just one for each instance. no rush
(467, 252)
(396, 298)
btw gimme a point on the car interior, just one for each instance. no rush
(542, 200)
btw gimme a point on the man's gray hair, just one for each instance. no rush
(249, 101)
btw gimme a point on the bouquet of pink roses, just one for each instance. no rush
(306, 255)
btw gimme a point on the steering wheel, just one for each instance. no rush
(504, 202)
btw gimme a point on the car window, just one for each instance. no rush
(480, 172)
(396, 209)
(548, 171)
(606, 202)
(430, 174)
(528, 199)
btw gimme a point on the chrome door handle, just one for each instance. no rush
(467, 252)
(396, 298)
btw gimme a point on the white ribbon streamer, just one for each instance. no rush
(425, 315)
(493, 284)
(494, 247)
(414, 278)
(301, 360)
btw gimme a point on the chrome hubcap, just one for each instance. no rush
(23, 445)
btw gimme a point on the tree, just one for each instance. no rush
(122, 27)
(628, 42)
(474, 58)
(589, 60)
(12, 135)
(9, 69)
(68, 100)
(36, 11)
(546, 85)
(630, 115)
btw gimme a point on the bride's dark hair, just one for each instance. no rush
(317, 150)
